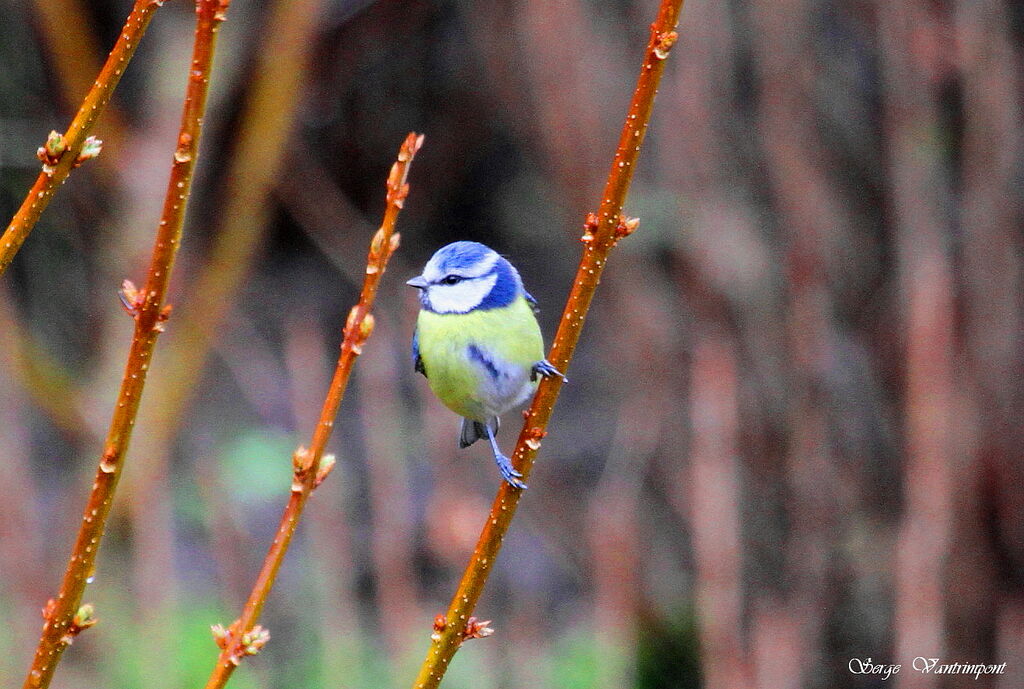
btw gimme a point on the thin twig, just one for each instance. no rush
(244, 637)
(75, 56)
(63, 617)
(601, 233)
(62, 153)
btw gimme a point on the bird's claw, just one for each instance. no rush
(546, 369)
(508, 472)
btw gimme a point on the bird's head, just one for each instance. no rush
(465, 276)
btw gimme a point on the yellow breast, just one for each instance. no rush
(478, 364)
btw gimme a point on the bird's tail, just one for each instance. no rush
(475, 430)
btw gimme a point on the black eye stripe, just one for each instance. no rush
(455, 278)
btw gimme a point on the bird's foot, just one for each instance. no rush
(508, 472)
(546, 369)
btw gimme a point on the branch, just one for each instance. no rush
(75, 57)
(601, 233)
(244, 637)
(63, 152)
(63, 618)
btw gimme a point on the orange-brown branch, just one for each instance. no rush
(63, 616)
(601, 232)
(76, 58)
(62, 153)
(244, 637)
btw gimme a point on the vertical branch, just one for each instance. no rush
(63, 616)
(714, 510)
(815, 225)
(615, 509)
(921, 186)
(392, 534)
(563, 33)
(708, 493)
(244, 637)
(62, 153)
(602, 231)
(992, 274)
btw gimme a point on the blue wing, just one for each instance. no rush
(532, 302)
(417, 360)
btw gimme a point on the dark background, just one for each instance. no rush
(792, 434)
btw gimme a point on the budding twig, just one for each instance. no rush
(311, 466)
(63, 152)
(64, 618)
(601, 233)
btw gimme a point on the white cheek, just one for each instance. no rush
(462, 297)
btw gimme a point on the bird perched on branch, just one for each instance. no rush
(477, 341)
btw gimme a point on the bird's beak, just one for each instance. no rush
(419, 282)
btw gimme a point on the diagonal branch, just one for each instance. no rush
(76, 60)
(64, 618)
(601, 232)
(244, 637)
(63, 152)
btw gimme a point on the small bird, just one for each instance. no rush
(477, 341)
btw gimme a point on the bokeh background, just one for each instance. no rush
(792, 435)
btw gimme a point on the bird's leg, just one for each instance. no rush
(508, 472)
(546, 369)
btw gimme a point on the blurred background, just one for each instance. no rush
(792, 435)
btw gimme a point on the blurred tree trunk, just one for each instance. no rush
(811, 224)
(986, 584)
(912, 41)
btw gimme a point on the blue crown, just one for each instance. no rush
(461, 255)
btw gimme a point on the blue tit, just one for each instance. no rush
(477, 341)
